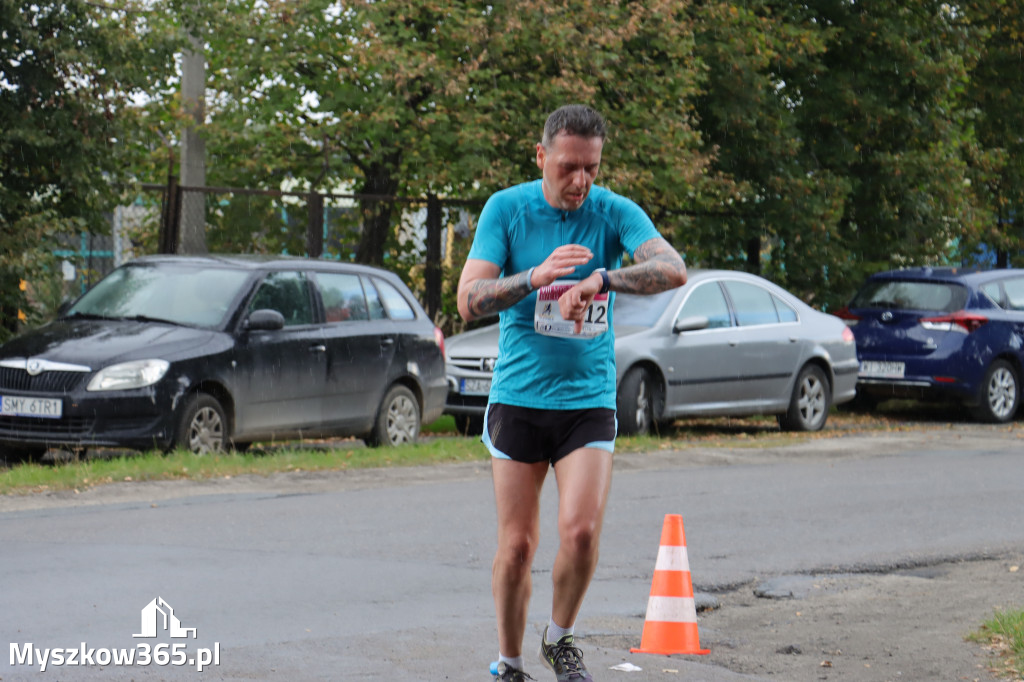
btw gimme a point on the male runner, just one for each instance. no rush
(552, 400)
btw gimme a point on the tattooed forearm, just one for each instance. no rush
(489, 296)
(658, 268)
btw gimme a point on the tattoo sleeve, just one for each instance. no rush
(489, 296)
(658, 268)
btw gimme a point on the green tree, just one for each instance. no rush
(993, 104)
(883, 113)
(68, 71)
(420, 96)
(782, 222)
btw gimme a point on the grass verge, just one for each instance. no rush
(1003, 635)
(439, 444)
(78, 474)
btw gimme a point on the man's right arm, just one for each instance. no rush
(482, 292)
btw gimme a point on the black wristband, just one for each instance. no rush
(605, 280)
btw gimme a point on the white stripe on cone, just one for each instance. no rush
(672, 558)
(672, 609)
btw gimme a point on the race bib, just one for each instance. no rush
(548, 320)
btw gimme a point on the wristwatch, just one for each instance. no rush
(605, 281)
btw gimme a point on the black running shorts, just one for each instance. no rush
(525, 434)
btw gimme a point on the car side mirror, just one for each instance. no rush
(264, 319)
(691, 324)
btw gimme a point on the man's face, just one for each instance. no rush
(569, 166)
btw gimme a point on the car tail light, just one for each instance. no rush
(439, 340)
(960, 321)
(848, 317)
(848, 335)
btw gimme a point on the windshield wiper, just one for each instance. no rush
(147, 318)
(89, 316)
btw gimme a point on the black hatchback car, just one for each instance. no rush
(208, 352)
(946, 333)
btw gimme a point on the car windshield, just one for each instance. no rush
(172, 292)
(901, 294)
(641, 311)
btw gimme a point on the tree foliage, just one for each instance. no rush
(67, 72)
(993, 107)
(812, 142)
(420, 96)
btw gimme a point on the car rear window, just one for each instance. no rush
(1008, 294)
(911, 295)
(396, 305)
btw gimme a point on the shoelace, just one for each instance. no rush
(569, 658)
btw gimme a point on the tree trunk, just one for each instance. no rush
(376, 212)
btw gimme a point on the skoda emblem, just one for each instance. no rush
(34, 367)
(887, 316)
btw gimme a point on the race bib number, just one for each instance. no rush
(548, 320)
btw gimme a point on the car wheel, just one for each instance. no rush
(468, 425)
(203, 428)
(398, 419)
(635, 403)
(808, 406)
(1000, 393)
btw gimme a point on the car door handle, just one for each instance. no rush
(387, 341)
(733, 342)
(318, 349)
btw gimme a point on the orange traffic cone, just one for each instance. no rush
(671, 623)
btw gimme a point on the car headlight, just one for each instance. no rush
(127, 375)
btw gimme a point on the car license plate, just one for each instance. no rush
(20, 406)
(475, 386)
(885, 370)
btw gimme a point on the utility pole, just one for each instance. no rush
(193, 148)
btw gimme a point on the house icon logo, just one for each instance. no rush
(159, 615)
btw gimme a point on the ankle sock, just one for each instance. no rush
(557, 632)
(516, 662)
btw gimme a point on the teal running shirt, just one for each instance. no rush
(517, 230)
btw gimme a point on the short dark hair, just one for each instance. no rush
(573, 119)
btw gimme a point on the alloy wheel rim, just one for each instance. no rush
(206, 434)
(642, 406)
(401, 426)
(1002, 393)
(812, 400)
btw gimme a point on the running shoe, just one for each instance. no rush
(565, 659)
(506, 673)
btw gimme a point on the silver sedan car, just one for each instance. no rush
(726, 344)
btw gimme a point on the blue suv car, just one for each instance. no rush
(946, 333)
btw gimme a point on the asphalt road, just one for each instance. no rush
(385, 574)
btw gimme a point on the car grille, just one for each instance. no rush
(473, 364)
(47, 382)
(57, 428)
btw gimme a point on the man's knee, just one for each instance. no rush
(517, 551)
(579, 536)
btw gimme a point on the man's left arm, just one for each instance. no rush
(657, 267)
